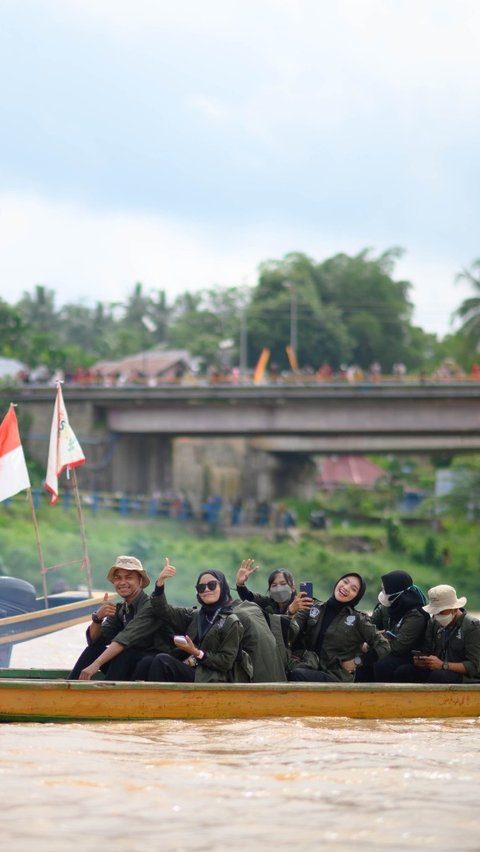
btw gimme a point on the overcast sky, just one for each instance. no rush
(181, 144)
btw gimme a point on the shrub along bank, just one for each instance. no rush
(431, 556)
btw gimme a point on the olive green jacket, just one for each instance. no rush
(343, 639)
(462, 644)
(221, 643)
(142, 631)
(406, 634)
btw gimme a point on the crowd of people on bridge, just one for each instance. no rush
(279, 635)
(181, 374)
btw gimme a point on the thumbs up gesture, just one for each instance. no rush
(167, 571)
(106, 609)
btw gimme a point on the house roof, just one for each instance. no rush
(353, 470)
(153, 362)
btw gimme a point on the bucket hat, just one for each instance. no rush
(443, 597)
(129, 563)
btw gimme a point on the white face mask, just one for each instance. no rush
(280, 594)
(383, 599)
(444, 620)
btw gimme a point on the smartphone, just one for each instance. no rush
(180, 640)
(418, 653)
(307, 587)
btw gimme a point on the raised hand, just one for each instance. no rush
(247, 567)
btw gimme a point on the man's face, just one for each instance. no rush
(127, 583)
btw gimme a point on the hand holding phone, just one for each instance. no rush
(307, 588)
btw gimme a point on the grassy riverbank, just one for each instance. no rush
(449, 555)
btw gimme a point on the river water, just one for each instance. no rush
(307, 784)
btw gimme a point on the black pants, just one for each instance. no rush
(121, 667)
(305, 674)
(385, 668)
(164, 668)
(414, 674)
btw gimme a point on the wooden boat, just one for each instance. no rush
(31, 695)
(64, 610)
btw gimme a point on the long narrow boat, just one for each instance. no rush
(45, 696)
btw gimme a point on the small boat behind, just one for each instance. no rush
(33, 695)
(23, 616)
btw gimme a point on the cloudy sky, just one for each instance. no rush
(181, 144)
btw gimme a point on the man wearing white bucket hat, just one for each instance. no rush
(451, 649)
(113, 631)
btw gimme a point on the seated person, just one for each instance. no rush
(282, 598)
(113, 630)
(332, 633)
(451, 649)
(400, 614)
(207, 638)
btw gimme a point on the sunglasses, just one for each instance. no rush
(211, 585)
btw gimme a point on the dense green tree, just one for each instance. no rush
(374, 308)
(202, 321)
(38, 310)
(286, 304)
(12, 331)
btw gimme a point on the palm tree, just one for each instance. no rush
(469, 310)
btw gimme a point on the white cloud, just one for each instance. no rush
(84, 255)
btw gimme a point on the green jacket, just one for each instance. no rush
(263, 643)
(407, 633)
(343, 639)
(142, 630)
(460, 645)
(221, 643)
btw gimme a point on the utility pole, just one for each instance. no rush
(243, 344)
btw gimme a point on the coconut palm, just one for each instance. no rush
(469, 310)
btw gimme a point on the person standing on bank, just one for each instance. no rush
(331, 634)
(282, 598)
(113, 631)
(207, 639)
(451, 649)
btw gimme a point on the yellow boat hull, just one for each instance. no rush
(31, 700)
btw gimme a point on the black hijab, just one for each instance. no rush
(409, 597)
(224, 602)
(333, 607)
(358, 597)
(209, 612)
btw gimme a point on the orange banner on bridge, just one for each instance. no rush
(261, 366)
(292, 357)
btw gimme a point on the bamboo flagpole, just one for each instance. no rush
(65, 454)
(87, 568)
(43, 570)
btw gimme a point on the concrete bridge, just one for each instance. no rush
(135, 426)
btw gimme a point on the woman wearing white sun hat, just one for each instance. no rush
(450, 652)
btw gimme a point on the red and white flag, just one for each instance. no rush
(64, 452)
(13, 470)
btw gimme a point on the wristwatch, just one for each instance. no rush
(445, 666)
(96, 619)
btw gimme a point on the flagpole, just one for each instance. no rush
(86, 559)
(39, 548)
